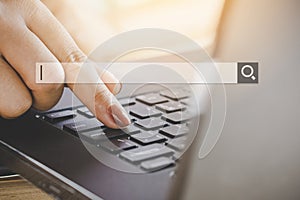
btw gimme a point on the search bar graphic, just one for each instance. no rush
(164, 73)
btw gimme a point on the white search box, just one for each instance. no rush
(136, 72)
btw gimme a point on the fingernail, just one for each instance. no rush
(120, 115)
(117, 88)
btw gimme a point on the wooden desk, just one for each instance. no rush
(18, 188)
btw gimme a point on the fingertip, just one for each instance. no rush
(119, 115)
(108, 121)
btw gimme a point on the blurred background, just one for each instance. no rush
(90, 22)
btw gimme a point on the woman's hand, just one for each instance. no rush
(29, 33)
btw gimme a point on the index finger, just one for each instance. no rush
(60, 43)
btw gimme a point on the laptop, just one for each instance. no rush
(255, 157)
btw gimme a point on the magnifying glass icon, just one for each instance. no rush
(249, 74)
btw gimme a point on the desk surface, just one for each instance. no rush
(17, 188)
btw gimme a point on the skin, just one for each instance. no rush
(30, 33)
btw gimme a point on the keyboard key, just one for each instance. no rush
(117, 145)
(142, 111)
(86, 112)
(175, 94)
(113, 133)
(146, 152)
(60, 115)
(131, 129)
(176, 117)
(170, 107)
(89, 114)
(99, 135)
(82, 110)
(174, 130)
(151, 123)
(148, 137)
(151, 99)
(82, 126)
(94, 136)
(157, 163)
(127, 101)
(178, 143)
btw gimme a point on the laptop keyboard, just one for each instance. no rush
(152, 142)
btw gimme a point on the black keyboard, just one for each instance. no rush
(157, 135)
